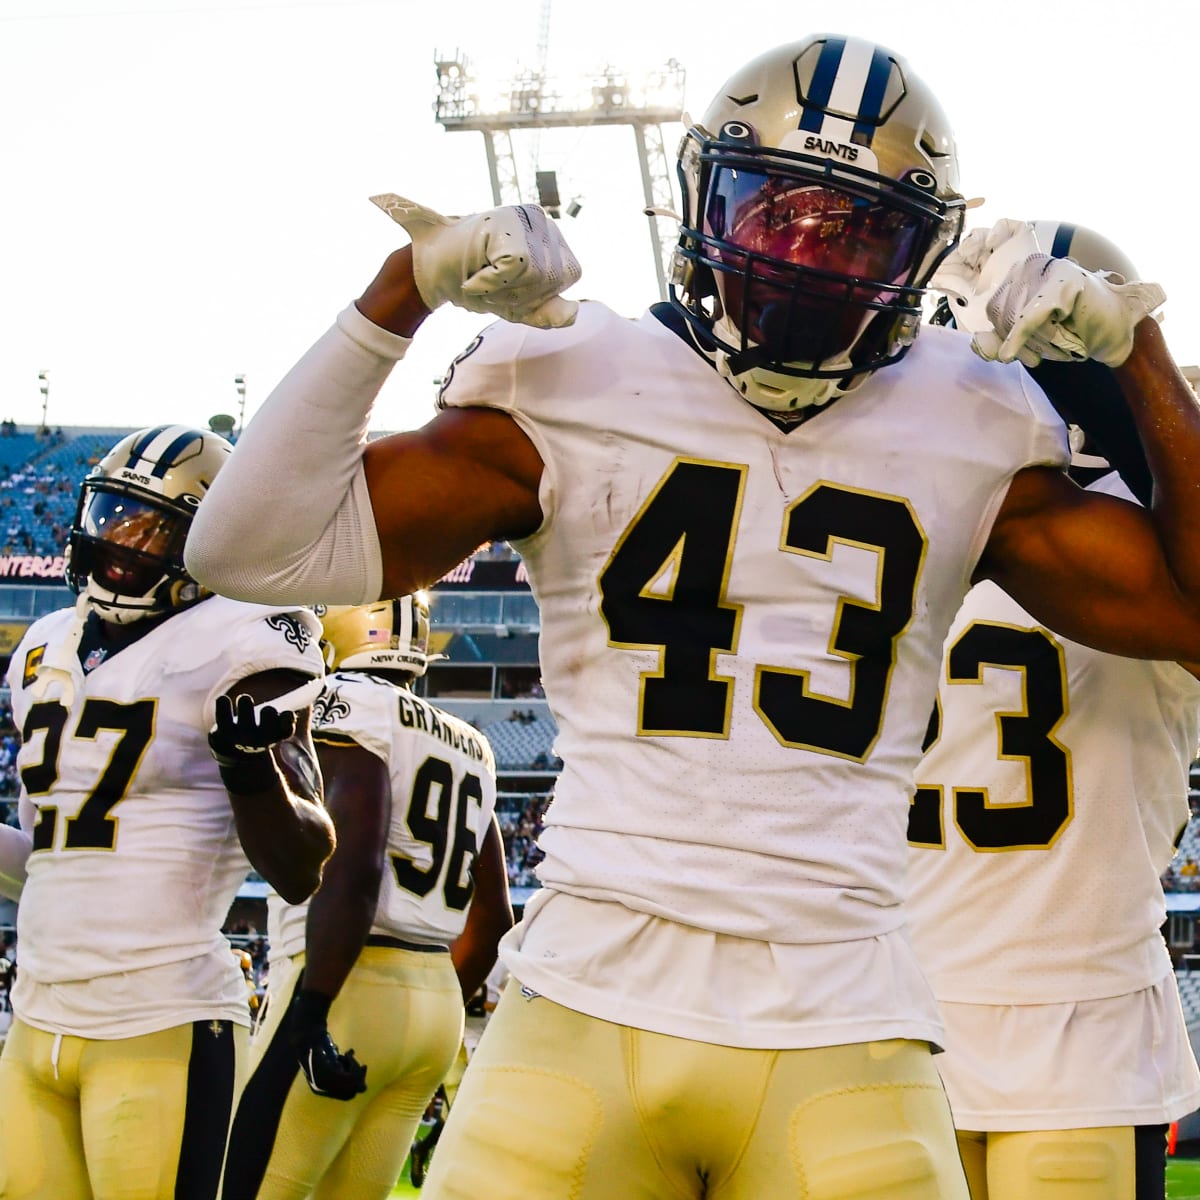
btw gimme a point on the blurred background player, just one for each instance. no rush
(404, 928)
(1048, 806)
(118, 1075)
(748, 519)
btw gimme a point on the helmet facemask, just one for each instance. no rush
(126, 554)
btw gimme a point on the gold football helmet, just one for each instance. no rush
(386, 635)
(820, 191)
(135, 508)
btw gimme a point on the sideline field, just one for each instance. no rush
(1183, 1179)
(404, 1188)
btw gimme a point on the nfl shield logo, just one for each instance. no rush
(94, 659)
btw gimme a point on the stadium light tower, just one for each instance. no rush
(239, 382)
(533, 100)
(44, 387)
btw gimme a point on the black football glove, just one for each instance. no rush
(241, 742)
(328, 1071)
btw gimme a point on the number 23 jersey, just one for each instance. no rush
(741, 627)
(1048, 807)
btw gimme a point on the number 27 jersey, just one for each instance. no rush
(136, 858)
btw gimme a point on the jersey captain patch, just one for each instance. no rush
(33, 660)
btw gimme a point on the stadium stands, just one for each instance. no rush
(522, 741)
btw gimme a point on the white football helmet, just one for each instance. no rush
(135, 508)
(820, 191)
(386, 635)
(1091, 250)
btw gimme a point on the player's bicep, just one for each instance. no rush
(1091, 567)
(468, 477)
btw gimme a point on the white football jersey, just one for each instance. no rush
(741, 633)
(135, 857)
(1047, 808)
(742, 627)
(443, 776)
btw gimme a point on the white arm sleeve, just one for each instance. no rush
(288, 519)
(15, 845)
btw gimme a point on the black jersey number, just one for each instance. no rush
(93, 827)
(1025, 736)
(434, 805)
(664, 588)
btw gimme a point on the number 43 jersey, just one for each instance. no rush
(741, 627)
(135, 857)
(443, 779)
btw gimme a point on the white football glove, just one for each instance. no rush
(976, 267)
(1036, 307)
(509, 262)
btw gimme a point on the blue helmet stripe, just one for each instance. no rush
(871, 104)
(166, 460)
(139, 448)
(1062, 241)
(821, 87)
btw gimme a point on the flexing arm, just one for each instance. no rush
(283, 827)
(489, 916)
(303, 452)
(301, 456)
(1097, 569)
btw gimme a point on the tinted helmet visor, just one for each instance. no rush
(126, 543)
(802, 266)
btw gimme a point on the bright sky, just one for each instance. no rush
(185, 181)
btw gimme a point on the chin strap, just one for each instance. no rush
(804, 393)
(823, 391)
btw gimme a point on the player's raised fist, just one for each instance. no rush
(510, 262)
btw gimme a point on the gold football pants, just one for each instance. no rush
(401, 1012)
(561, 1106)
(1113, 1163)
(141, 1118)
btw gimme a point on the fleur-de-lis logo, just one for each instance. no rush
(328, 707)
(292, 629)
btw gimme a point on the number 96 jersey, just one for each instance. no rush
(135, 857)
(443, 785)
